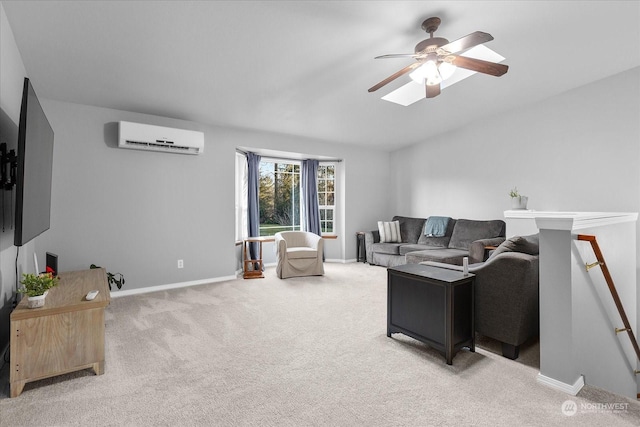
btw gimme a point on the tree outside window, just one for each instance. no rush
(280, 197)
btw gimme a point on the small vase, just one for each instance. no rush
(519, 202)
(37, 301)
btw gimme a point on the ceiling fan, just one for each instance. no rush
(437, 58)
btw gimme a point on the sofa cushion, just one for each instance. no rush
(449, 256)
(407, 247)
(434, 242)
(410, 228)
(387, 260)
(389, 231)
(301, 253)
(386, 248)
(467, 231)
(525, 244)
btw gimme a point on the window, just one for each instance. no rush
(279, 196)
(326, 197)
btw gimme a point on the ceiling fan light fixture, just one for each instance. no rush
(433, 81)
(426, 73)
(431, 74)
(440, 64)
(446, 70)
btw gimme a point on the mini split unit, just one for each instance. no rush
(157, 138)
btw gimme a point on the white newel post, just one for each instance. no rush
(578, 317)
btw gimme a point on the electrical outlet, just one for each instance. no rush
(180, 263)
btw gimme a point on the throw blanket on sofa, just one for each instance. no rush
(436, 226)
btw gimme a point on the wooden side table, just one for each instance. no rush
(433, 305)
(258, 265)
(487, 251)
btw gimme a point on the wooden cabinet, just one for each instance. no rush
(433, 305)
(65, 335)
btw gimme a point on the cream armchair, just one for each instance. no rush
(298, 253)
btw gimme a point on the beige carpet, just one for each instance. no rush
(296, 352)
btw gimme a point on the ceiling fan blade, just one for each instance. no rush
(466, 42)
(433, 90)
(394, 76)
(478, 65)
(398, 55)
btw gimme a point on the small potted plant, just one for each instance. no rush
(36, 287)
(517, 200)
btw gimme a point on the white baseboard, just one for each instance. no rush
(341, 261)
(117, 294)
(338, 260)
(558, 385)
(128, 292)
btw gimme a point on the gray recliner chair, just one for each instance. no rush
(506, 298)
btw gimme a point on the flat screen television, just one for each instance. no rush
(35, 165)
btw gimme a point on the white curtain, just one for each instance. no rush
(241, 197)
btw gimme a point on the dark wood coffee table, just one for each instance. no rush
(432, 305)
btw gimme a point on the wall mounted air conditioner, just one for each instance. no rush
(157, 138)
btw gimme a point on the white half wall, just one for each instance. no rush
(578, 314)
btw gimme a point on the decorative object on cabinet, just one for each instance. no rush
(518, 201)
(112, 278)
(36, 287)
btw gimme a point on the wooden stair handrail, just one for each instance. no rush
(612, 289)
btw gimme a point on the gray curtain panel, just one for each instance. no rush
(310, 210)
(253, 205)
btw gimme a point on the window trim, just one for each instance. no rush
(333, 206)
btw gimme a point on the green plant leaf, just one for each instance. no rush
(111, 278)
(34, 285)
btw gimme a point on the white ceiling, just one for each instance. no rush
(304, 67)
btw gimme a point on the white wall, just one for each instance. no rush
(594, 313)
(138, 212)
(579, 151)
(12, 74)
(12, 71)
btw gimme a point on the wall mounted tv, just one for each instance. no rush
(35, 164)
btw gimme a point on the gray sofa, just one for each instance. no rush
(463, 238)
(506, 289)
